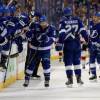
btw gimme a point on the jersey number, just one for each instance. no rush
(71, 28)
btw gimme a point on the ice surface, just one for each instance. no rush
(57, 89)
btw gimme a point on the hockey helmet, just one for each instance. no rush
(36, 13)
(67, 11)
(96, 17)
(43, 18)
(97, 14)
(43, 21)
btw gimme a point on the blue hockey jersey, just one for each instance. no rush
(11, 27)
(95, 36)
(41, 39)
(70, 29)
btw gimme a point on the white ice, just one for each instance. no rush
(57, 90)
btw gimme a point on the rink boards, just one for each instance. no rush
(15, 69)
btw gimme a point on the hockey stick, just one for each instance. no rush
(9, 56)
(5, 76)
(88, 25)
(14, 55)
(10, 2)
(33, 56)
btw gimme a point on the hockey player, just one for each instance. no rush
(94, 46)
(69, 38)
(34, 22)
(83, 53)
(4, 45)
(40, 45)
(12, 26)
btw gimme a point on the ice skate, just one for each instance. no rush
(69, 83)
(26, 83)
(93, 78)
(79, 80)
(46, 83)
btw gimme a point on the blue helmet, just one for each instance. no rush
(97, 14)
(67, 11)
(36, 13)
(43, 18)
(12, 9)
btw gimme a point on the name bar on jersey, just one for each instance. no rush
(71, 22)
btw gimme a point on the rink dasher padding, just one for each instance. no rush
(15, 69)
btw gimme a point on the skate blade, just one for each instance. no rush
(79, 84)
(95, 80)
(47, 86)
(25, 85)
(70, 86)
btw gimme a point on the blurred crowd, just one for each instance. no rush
(81, 8)
(84, 8)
